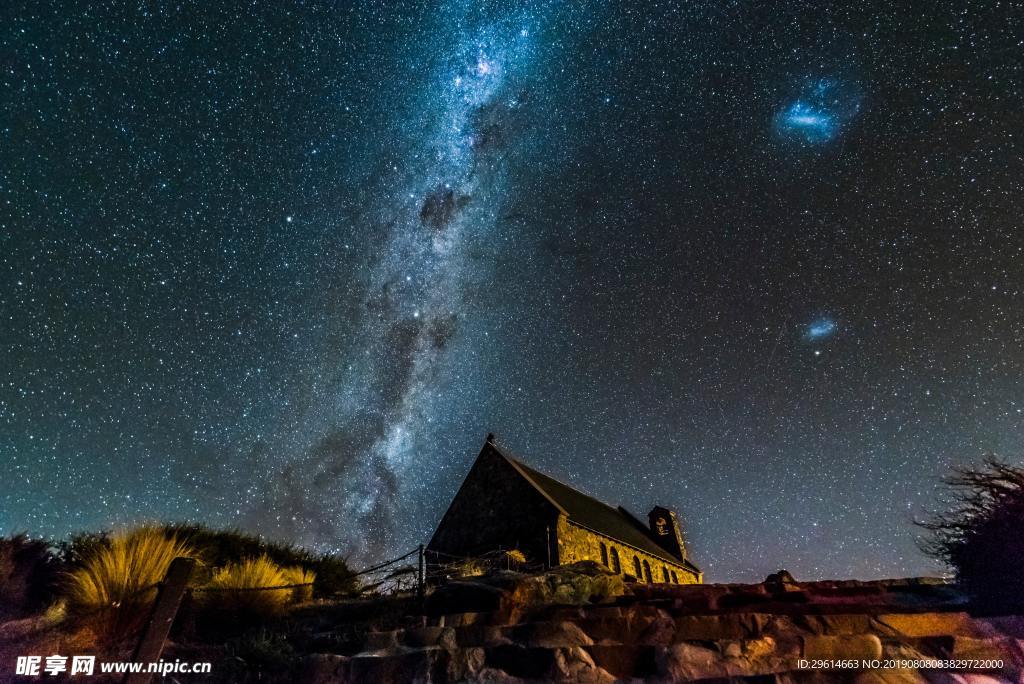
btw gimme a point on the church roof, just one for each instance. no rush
(585, 510)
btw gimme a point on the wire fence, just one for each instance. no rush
(388, 577)
(441, 566)
(391, 578)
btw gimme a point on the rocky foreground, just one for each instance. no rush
(580, 625)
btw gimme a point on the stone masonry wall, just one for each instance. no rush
(577, 543)
(495, 509)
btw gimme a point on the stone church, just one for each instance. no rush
(505, 504)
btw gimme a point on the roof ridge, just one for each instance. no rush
(588, 511)
(519, 466)
(565, 484)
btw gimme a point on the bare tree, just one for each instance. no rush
(980, 535)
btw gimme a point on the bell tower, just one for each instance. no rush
(666, 532)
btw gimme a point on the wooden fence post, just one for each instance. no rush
(168, 598)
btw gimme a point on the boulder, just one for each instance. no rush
(519, 661)
(550, 635)
(721, 627)
(325, 668)
(781, 582)
(849, 647)
(836, 624)
(575, 665)
(626, 662)
(687, 662)
(932, 624)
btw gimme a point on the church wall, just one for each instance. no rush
(496, 509)
(577, 543)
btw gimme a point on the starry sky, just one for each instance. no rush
(283, 265)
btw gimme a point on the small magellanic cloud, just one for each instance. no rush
(821, 329)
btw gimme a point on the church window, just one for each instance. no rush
(647, 573)
(604, 554)
(616, 568)
(637, 570)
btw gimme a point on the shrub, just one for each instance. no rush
(297, 574)
(80, 546)
(221, 547)
(513, 560)
(259, 651)
(28, 576)
(333, 577)
(979, 535)
(232, 589)
(469, 567)
(114, 583)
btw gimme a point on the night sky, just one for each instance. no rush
(284, 265)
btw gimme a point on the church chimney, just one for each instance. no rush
(665, 530)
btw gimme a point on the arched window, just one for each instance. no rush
(616, 568)
(647, 573)
(604, 554)
(664, 574)
(637, 570)
(675, 580)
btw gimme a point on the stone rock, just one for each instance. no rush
(982, 649)
(465, 664)
(421, 637)
(1010, 625)
(576, 665)
(933, 624)
(481, 635)
(380, 641)
(565, 586)
(519, 661)
(463, 619)
(780, 582)
(399, 667)
(759, 648)
(625, 662)
(652, 635)
(553, 635)
(835, 625)
(720, 627)
(659, 632)
(687, 662)
(325, 668)
(849, 647)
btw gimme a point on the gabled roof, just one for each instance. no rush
(591, 513)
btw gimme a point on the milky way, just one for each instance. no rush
(443, 195)
(284, 265)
